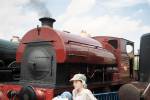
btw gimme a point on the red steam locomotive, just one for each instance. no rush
(47, 59)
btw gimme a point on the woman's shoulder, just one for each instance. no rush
(90, 94)
(87, 91)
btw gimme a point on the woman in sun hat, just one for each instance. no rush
(80, 91)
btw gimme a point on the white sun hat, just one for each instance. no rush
(80, 77)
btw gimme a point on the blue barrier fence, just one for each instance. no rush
(107, 96)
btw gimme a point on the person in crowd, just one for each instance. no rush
(80, 91)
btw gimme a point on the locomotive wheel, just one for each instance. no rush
(27, 93)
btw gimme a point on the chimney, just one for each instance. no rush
(47, 21)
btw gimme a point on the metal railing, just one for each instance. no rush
(107, 96)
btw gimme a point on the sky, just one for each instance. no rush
(119, 18)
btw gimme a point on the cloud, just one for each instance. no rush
(15, 21)
(120, 3)
(18, 16)
(117, 25)
(79, 6)
(76, 8)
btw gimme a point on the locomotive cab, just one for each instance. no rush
(124, 52)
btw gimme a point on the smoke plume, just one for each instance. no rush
(40, 7)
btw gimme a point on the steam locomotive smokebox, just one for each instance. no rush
(145, 58)
(39, 64)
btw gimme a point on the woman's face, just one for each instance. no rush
(77, 84)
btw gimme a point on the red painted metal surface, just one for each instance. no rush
(69, 47)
